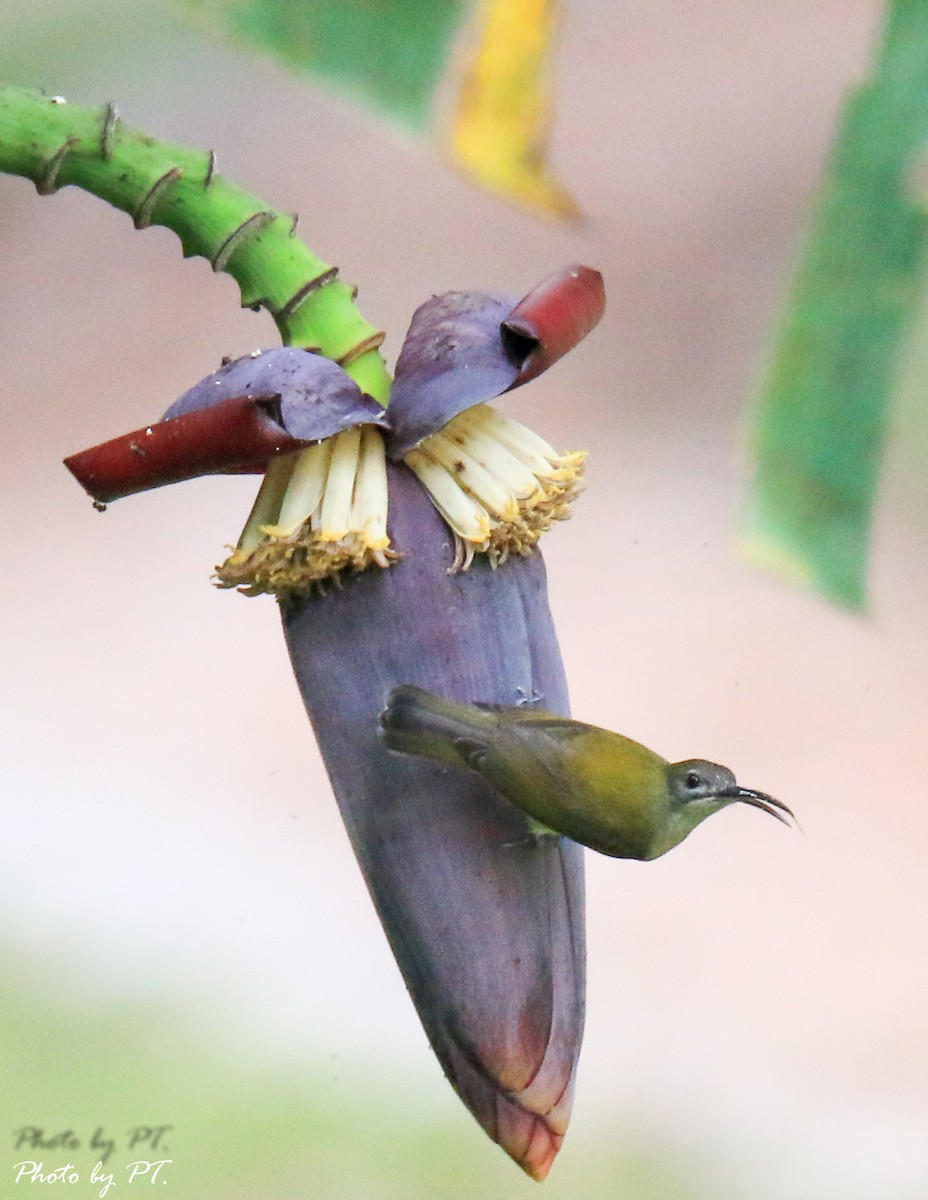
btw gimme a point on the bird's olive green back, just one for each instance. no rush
(594, 786)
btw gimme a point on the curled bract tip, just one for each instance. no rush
(237, 435)
(496, 483)
(238, 419)
(553, 318)
(466, 348)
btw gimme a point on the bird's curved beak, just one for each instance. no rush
(765, 803)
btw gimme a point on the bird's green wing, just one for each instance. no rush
(560, 728)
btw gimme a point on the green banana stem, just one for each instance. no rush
(54, 143)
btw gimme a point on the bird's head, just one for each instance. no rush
(697, 788)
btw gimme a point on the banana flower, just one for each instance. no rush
(401, 544)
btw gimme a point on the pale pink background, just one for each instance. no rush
(759, 995)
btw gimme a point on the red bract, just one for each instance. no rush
(465, 348)
(235, 436)
(252, 409)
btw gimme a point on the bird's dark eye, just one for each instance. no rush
(693, 781)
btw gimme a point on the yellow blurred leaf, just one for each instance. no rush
(502, 111)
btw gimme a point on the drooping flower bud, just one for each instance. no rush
(486, 922)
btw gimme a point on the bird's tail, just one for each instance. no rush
(416, 722)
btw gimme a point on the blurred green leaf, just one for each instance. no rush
(391, 52)
(823, 409)
(476, 72)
